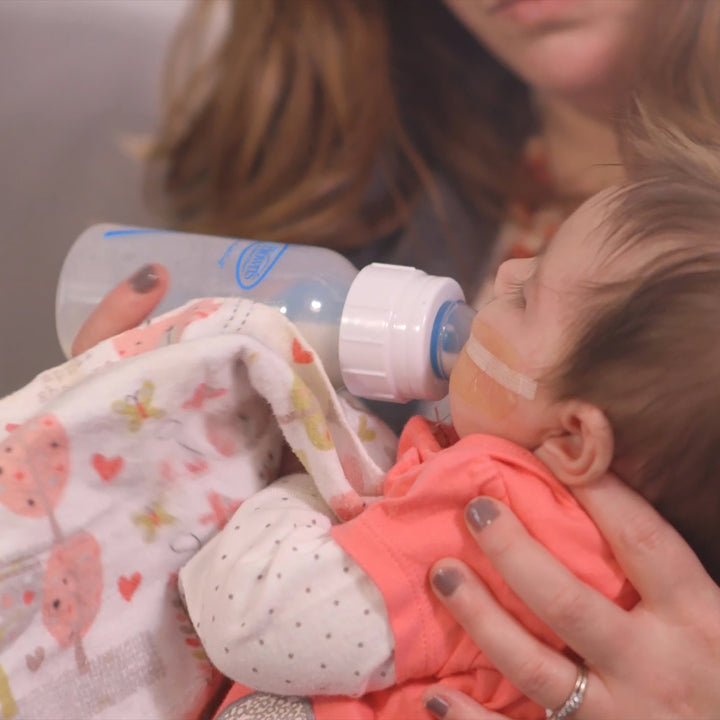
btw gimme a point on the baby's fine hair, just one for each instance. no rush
(649, 354)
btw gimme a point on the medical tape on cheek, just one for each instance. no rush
(511, 379)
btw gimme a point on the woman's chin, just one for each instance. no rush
(582, 70)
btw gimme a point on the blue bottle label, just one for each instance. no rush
(256, 261)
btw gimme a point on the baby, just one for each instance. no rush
(601, 355)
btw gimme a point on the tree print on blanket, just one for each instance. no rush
(72, 592)
(34, 468)
(34, 471)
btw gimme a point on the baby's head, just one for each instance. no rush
(604, 352)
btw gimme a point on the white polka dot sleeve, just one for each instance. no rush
(280, 607)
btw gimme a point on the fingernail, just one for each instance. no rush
(144, 280)
(446, 580)
(480, 513)
(437, 706)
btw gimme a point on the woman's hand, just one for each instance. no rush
(124, 307)
(660, 660)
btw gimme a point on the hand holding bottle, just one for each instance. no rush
(124, 307)
(387, 332)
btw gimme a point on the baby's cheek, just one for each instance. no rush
(476, 400)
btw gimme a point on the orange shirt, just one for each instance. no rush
(420, 520)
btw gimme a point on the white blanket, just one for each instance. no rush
(118, 465)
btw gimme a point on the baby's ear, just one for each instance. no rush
(582, 448)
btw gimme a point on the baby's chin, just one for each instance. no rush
(468, 420)
(478, 404)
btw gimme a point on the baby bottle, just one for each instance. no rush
(388, 332)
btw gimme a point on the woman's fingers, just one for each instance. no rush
(656, 560)
(124, 307)
(658, 660)
(587, 621)
(541, 673)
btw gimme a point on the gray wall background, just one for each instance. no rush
(75, 75)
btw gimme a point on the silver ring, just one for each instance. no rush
(574, 699)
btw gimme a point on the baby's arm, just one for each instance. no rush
(280, 607)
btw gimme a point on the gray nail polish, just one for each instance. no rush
(480, 513)
(437, 706)
(446, 580)
(144, 280)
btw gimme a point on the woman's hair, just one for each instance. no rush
(679, 86)
(649, 352)
(323, 121)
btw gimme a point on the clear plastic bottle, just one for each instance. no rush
(387, 332)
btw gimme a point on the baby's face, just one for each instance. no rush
(524, 331)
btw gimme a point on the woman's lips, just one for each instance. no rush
(533, 12)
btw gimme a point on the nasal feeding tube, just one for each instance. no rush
(495, 368)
